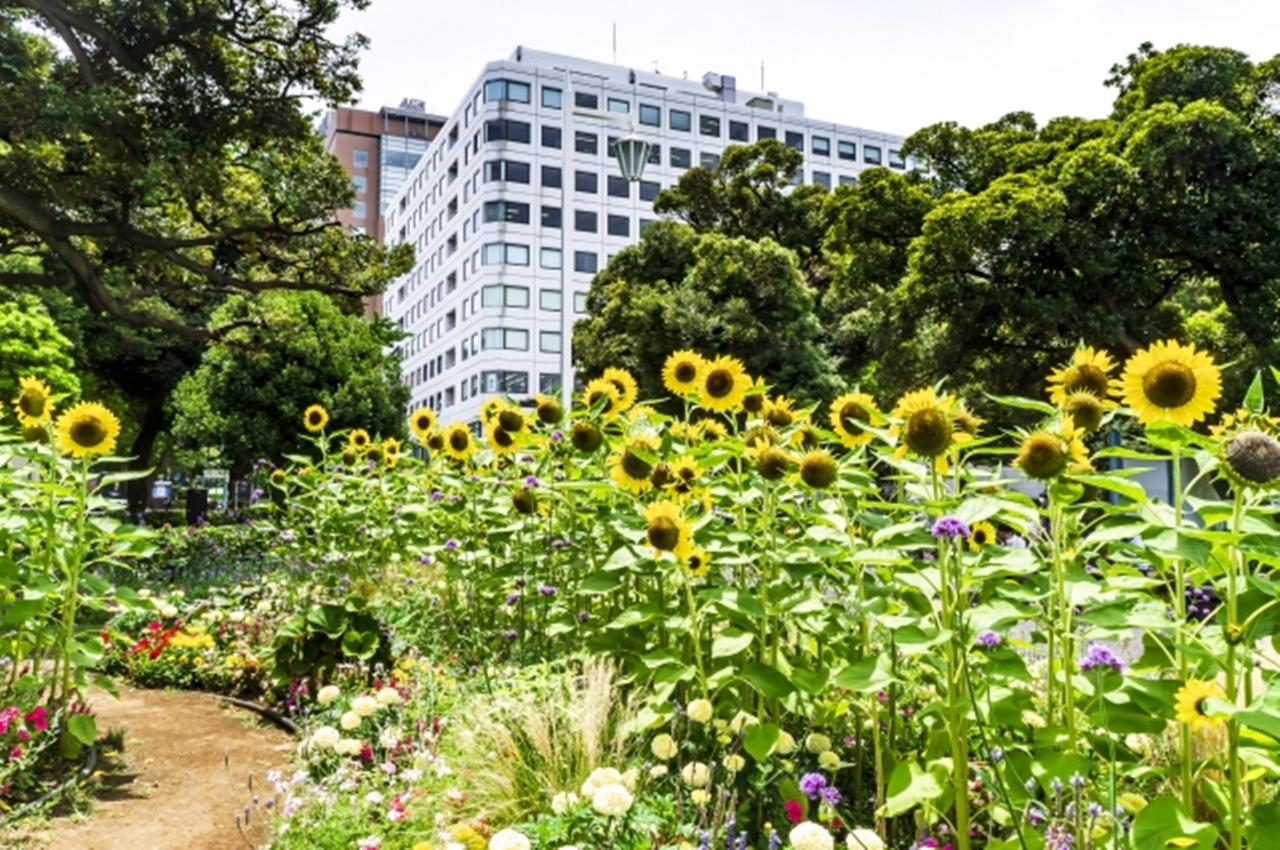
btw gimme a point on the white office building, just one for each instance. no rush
(519, 201)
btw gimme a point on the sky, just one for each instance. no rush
(889, 65)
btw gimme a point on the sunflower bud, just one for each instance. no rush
(511, 420)
(1043, 455)
(549, 411)
(524, 500)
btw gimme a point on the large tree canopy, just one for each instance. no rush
(156, 156)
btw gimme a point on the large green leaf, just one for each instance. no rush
(760, 739)
(867, 675)
(1163, 824)
(83, 728)
(767, 680)
(909, 786)
(730, 642)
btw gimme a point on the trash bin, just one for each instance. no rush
(197, 505)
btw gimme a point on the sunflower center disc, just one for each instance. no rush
(458, 441)
(686, 372)
(503, 438)
(1042, 456)
(88, 432)
(511, 420)
(315, 418)
(424, 423)
(635, 467)
(928, 432)
(719, 383)
(586, 437)
(1085, 411)
(853, 417)
(1254, 456)
(1088, 378)
(664, 534)
(661, 476)
(1169, 385)
(772, 465)
(31, 403)
(818, 472)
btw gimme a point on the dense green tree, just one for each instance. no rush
(712, 293)
(32, 345)
(288, 350)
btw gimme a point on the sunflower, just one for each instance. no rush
(585, 436)
(850, 414)
(1047, 454)
(524, 500)
(631, 469)
(502, 441)
(778, 411)
(806, 437)
(966, 421)
(684, 472)
(511, 419)
(697, 561)
(665, 529)
(278, 477)
(33, 403)
(491, 408)
(723, 385)
(625, 384)
(1085, 410)
(373, 453)
(549, 410)
(1249, 458)
(422, 422)
(358, 439)
(1189, 704)
(391, 448)
(87, 429)
(927, 426)
(761, 435)
(1171, 381)
(711, 430)
(1089, 371)
(604, 394)
(771, 462)
(981, 534)
(818, 469)
(457, 441)
(681, 372)
(754, 401)
(315, 418)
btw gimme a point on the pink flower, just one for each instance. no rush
(23, 734)
(7, 716)
(15, 753)
(795, 811)
(38, 719)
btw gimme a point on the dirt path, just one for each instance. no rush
(185, 774)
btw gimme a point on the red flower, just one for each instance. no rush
(38, 719)
(15, 753)
(795, 811)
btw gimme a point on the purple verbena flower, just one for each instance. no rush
(1100, 655)
(546, 590)
(813, 784)
(988, 639)
(451, 544)
(950, 527)
(513, 598)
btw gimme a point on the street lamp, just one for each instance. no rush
(632, 153)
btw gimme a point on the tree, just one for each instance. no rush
(288, 351)
(713, 293)
(32, 345)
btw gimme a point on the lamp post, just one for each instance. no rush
(632, 153)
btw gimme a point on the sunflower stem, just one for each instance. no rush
(1180, 607)
(1233, 726)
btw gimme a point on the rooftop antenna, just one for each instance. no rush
(615, 42)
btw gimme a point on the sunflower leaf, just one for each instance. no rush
(1024, 403)
(1254, 401)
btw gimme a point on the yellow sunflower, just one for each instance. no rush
(684, 473)
(585, 436)
(711, 430)
(681, 372)
(1189, 704)
(818, 469)
(33, 403)
(632, 466)
(850, 414)
(697, 561)
(1085, 410)
(981, 534)
(511, 419)
(772, 463)
(603, 393)
(625, 384)
(87, 429)
(756, 396)
(457, 441)
(491, 408)
(927, 426)
(1171, 381)
(502, 441)
(723, 385)
(358, 439)
(779, 411)
(1089, 371)
(315, 418)
(666, 530)
(1047, 454)
(549, 410)
(422, 422)
(391, 448)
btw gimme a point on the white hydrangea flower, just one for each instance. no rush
(389, 696)
(696, 774)
(328, 694)
(350, 720)
(325, 738)
(664, 747)
(509, 839)
(864, 839)
(364, 705)
(600, 776)
(700, 710)
(612, 800)
(811, 836)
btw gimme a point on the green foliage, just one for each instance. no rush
(31, 344)
(314, 642)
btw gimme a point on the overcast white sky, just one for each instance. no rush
(891, 65)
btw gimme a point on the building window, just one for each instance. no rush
(586, 181)
(512, 211)
(551, 136)
(585, 221)
(709, 161)
(359, 183)
(680, 120)
(359, 210)
(507, 130)
(618, 187)
(822, 178)
(655, 155)
(499, 295)
(551, 216)
(360, 158)
(619, 225)
(549, 342)
(498, 90)
(871, 154)
(548, 383)
(739, 131)
(763, 132)
(579, 302)
(848, 180)
(649, 189)
(507, 170)
(681, 158)
(896, 159)
(650, 115)
(551, 177)
(551, 98)
(709, 125)
(586, 142)
(586, 261)
(549, 258)
(506, 253)
(619, 106)
(846, 150)
(795, 140)
(586, 100)
(510, 383)
(820, 145)
(510, 339)
(549, 300)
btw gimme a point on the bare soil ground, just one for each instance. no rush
(180, 781)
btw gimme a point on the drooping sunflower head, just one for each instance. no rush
(625, 383)
(1088, 371)
(1085, 410)
(818, 469)
(779, 412)
(549, 410)
(422, 422)
(806, 437)
(585, 436)
(278, 477)
(711, 430)
(981, 534)
(35, 434)
(633, 464)
(358, 439)
(33, 404)
(772, 463)
(1250, 458)
(502, 441)
(458, 443)
(965, 421)
(87, 429)
(603, 394)
(1171, 381)
(666, 530)
(850, 415)
(391, 448)
(926, 425)
(374, 453)
(681, 372)
(760, 435)
(1046, 454)
(756, 396)
(349, 456)
(723, 385)
(315, 417)
(1189, 705)
(511, 419)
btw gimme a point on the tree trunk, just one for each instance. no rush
(139, 489)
